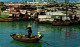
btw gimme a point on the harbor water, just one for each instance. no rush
(54, 36)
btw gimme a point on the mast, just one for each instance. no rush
(47, 1)
(0, 0)
(0, 7)
(33, 0)
(66, 6)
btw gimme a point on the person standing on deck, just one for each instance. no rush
(29, 31)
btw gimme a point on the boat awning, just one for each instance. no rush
(23, 11)
(55, 13)
(44, 16)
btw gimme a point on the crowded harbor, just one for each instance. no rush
(56, 14)
(39, 23)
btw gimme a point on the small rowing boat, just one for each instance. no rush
(24, 38)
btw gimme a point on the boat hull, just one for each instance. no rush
(61, 23)
(24, 38)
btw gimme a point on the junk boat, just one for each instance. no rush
(24, 38)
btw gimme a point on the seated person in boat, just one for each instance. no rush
(29, 31)
(39, 34)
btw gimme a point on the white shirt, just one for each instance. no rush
(39, 35)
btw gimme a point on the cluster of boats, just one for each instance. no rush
(55, 14)
(16, 12)
(60, 15)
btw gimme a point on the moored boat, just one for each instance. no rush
(24, 38)
(61, 23)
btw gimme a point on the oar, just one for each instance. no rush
(45, 42)
(24, 29)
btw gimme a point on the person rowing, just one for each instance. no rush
(29, 31)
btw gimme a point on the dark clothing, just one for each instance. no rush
(60, 18)
(21, 16)
(29, 32)
(75, 17)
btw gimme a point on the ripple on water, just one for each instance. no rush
(54, 35)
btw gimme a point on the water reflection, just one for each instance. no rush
(22, 44)
(54, 35)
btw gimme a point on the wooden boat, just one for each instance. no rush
(74, 22)
(24, 38)
(58, 23)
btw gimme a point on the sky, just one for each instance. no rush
(28, 0)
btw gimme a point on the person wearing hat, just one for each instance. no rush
(29, 31)
(39, 34)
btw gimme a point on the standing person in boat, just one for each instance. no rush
(29, 31)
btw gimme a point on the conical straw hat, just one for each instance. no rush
(29, 26)
(39, 32)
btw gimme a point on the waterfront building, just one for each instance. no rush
(40, 1)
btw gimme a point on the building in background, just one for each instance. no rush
(41, 1)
